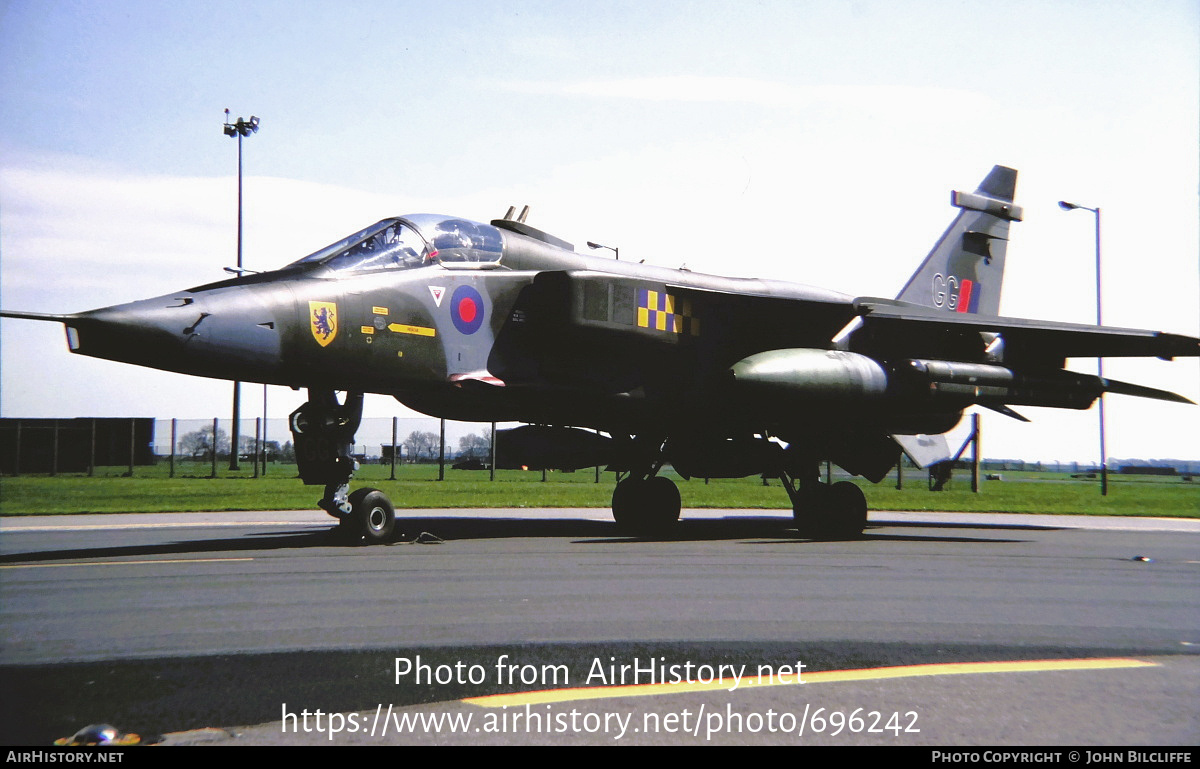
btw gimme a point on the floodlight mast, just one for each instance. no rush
(1064, 205)
(239, 129)
(616, 251)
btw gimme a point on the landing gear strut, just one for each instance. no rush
(824, 511)
(323, 431)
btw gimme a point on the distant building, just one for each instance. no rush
(1146, 470)
(72, 445)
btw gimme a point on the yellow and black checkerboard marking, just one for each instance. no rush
(664, 312)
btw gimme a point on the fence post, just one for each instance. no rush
(975, 453)
(900, 471)
(492, 446)
(257, 445)
(173, 426)
(395, 427)
(214, 448)
(132, 442)
(442, 452)
(264, 431)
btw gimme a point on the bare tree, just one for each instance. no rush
(246, 445)
(420, 445)
(199, 443)
(475, 446)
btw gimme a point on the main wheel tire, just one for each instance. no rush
(373, 518)
(626, 502)
(662, 505)
(810, 510)
(831, 512)
(848, 508)
(646, 507)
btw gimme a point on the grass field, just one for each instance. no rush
(151, 490)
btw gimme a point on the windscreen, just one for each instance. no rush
(386, 245)
(415, 241)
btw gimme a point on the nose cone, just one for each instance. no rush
(226, 333)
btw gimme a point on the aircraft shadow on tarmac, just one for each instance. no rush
(764, 530)
(415, 529)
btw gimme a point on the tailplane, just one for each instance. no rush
(964, 271)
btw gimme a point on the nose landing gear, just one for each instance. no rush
(323, 431)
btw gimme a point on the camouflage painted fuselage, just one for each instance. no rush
(502, 322)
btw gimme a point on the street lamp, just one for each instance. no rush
(239, 129)
(1064, 205)
(615, 251)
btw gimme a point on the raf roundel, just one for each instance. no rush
(466, 309)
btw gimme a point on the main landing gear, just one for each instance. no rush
(827, 511)
(323, 432)
(646, 506)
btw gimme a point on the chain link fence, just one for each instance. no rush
(187, 448)
(205, 447)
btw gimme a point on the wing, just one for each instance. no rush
(1032, 350)
(1025, 341)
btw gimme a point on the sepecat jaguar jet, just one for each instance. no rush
(626, 365)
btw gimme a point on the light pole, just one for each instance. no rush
(239, 129)
(616, 251)
(1064, 205)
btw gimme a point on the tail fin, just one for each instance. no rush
(965, 269)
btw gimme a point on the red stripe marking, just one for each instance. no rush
(964, 297)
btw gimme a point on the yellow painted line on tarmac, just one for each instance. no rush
(815, 677)
(122, 563)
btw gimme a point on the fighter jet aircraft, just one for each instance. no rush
(626, 365)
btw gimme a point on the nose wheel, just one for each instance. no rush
(372, 518)
(323, 430)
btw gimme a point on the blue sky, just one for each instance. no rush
(807, 141)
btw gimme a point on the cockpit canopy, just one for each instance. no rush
(413, 241)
